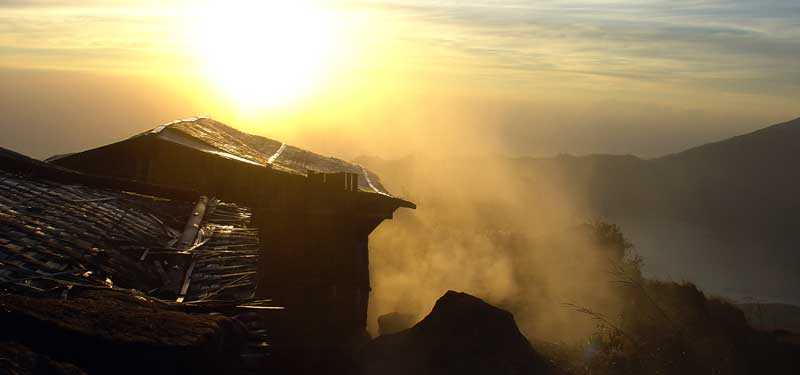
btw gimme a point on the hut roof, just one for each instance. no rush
(211, 136)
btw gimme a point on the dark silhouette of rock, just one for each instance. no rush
(462, 335)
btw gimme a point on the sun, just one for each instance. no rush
(263, 53)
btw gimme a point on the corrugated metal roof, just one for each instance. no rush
(225, 141)
(59, 233)
(55, 234)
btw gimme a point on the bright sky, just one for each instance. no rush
(529, 77)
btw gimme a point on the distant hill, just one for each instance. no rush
(725, 215)
(750, 182)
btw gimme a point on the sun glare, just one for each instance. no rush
(263, 53)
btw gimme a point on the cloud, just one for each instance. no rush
(697, 42)
(88, 36)
(715, 44)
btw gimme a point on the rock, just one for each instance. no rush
(461, 335)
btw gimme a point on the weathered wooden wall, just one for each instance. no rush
(318, 264)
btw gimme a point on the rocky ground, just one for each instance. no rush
(108, 332)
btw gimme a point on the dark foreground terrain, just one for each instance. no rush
(666, 328)
(110, 332)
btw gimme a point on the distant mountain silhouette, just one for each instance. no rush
(728, 212)
(748, 182)
(746, 188)
(725, 215)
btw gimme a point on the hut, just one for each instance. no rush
(315, 212)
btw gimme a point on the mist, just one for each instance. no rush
(480, 229)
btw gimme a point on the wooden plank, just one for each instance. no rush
(193, 224)
(277, 154)
(186, 279)
(105, 199)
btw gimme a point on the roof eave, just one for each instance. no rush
(405, 204)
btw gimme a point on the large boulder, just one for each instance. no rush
(462, 335)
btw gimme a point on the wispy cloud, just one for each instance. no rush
(84, 35)
(730, 45)
(705, 42)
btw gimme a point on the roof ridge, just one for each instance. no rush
(160, 128)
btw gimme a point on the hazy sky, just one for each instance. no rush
(348, 77)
